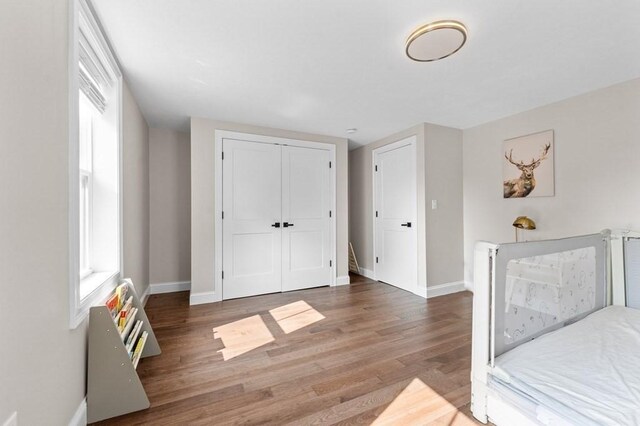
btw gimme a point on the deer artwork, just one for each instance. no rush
(522, 186)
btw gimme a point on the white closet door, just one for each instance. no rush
(395, 217)
(252, 260)
(306, 205)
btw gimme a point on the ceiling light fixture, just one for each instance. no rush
(435, 41)
(352, 130)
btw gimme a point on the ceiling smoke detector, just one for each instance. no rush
(435, 41)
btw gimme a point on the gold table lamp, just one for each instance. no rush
(523, 222)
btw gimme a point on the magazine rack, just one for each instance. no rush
(113, 386)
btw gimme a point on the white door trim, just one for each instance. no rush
(411, 140)
(219, 136)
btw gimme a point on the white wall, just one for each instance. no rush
(203, 199)
(597, 149)
(439, 174)
(42, 362)
(135, 183)
(170, 205)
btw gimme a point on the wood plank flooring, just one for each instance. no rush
(367, 353)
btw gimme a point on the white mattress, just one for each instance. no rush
(588, 372)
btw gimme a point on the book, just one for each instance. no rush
(124, 312)
(112, 305)
(129, 324)
(132, 337)
(139, 348)
(121, 292)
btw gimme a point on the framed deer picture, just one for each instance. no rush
(527, 166)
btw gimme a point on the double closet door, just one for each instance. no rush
(277, 202)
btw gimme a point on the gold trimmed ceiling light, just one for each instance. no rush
(435, 41)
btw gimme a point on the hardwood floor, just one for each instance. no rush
(367, 353)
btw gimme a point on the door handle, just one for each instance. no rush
(287, 224)
(408, 224)
(276, 225)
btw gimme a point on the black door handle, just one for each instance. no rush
(276, 225)
(287, 224)
(408, 224)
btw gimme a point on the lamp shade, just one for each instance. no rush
(523, 222)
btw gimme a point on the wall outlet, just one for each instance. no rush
(12, 420)
(434, 204)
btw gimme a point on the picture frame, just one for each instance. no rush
(528, 166)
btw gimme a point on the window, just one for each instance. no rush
(95, 206)
(85, 112)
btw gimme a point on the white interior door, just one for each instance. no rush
(252, 200)
(277, 222)
(395, 206)
(306, 210)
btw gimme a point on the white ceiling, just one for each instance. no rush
(323, 66)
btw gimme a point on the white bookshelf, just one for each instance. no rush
(113, 385)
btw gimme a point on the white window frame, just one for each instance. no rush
(85, 249)
(81, 19)
(86, 174)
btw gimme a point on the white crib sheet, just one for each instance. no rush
(588, 371)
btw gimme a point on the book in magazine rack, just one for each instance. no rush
(113, 386)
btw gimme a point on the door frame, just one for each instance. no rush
(219, 136)
(412, 140)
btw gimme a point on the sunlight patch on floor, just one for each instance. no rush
(418, 404)
(295, 316)
(242, 336)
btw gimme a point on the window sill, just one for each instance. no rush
(93, 282)
(93, 290)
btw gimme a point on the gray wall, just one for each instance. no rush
(445, 248)
(597, 147)
(135, 183)
(42, 362)
(203, 198)
(439, 174)
(170, 204)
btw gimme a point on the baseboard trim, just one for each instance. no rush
(420, 291)
(170, 287)
(202, 298)
(468, 285)
(343, 280)
(367, 273)
(446, 288)
(80, 416)
(145, 296)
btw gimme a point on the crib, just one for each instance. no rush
(556, 331)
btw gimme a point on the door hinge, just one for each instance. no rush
(329, 164)
(376, 259)
(376, 167)
(330, 263)
(223, 155)
(223, 275)
(376, 213)
(223, 215)
(329, 213)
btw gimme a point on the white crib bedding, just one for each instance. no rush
(588, 372)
